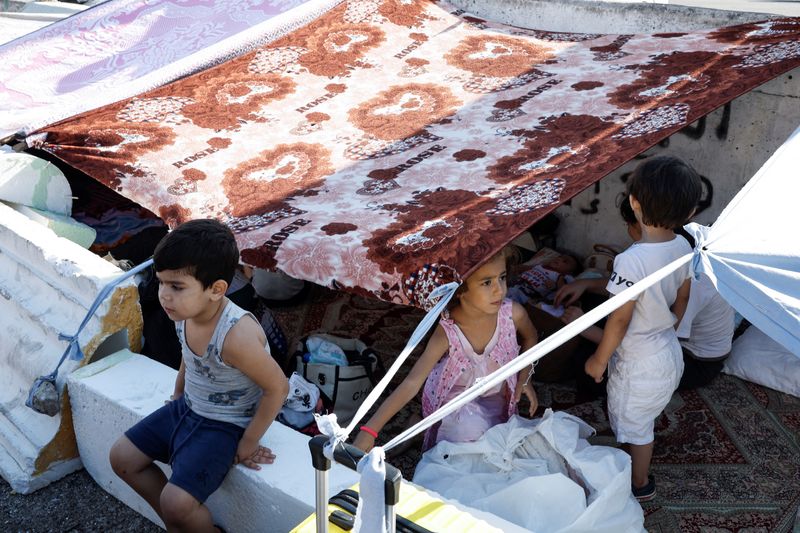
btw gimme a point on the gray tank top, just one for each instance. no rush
(212, 388)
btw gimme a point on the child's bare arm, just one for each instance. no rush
(614, 331)
(592, 333)
(569, 293)
(180, 382)
(525, 328)
(436, 348)
(244, 350)
(681, 301)
(529, 337)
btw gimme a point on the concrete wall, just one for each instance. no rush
(589, 16)
(46, 286)
(727, 147)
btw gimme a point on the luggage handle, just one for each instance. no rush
(349, 456)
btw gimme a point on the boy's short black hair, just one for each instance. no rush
(667, 188)
(626, 211)
(205, 249)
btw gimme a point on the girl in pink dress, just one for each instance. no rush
(476, 337)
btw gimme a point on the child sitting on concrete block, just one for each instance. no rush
(227, 392)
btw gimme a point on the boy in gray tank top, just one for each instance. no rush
(227, 392)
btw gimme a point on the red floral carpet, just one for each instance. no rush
(727, 456)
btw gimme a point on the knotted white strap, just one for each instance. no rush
(329, 427)
(371, 511)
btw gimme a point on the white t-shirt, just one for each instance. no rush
(707, 327)
(652, 323)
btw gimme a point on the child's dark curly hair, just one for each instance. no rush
(205, 249)
(668, 190)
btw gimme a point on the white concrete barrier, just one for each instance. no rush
(47, 283)
(594, 16)
(111, 395)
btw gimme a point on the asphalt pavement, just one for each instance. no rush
(74, 504)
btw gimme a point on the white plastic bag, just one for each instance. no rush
(539, 474)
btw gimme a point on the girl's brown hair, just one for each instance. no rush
(511, 255)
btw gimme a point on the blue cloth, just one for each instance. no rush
(199, 450)
(752, 251)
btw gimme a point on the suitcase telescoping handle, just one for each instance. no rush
(347, 455)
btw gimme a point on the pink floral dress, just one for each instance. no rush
(459, 369)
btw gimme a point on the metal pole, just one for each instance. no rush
(321, 487)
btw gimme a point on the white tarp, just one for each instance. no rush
(752, 252)
(540, 474)
(124, 47)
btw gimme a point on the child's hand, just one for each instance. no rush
(364, 441)
(595, 368)
(569, 293)
(571, 314)
(252, 454)
(172, 398)
(528, 390)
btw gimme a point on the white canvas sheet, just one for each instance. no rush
(124, 47)
(752, 251)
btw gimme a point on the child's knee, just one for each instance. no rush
(125, 457)
(118, 457)
(177, 505)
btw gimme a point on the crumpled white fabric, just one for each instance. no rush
(371, 511)
(540, 474)
(329, 427)
(298, 407)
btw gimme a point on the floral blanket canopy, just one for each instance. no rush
(390, 146)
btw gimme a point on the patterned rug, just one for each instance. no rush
(727, 456)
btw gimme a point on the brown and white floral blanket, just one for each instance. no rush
(392, 145)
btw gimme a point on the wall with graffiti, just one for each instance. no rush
(726, 147)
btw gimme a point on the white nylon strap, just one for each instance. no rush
(327, 423)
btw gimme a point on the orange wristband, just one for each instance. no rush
(368, 430)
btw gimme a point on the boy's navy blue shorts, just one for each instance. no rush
(199, 450)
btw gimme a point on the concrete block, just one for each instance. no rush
(109, 396)
(47, 284)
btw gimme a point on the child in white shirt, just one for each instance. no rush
(639, 345)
